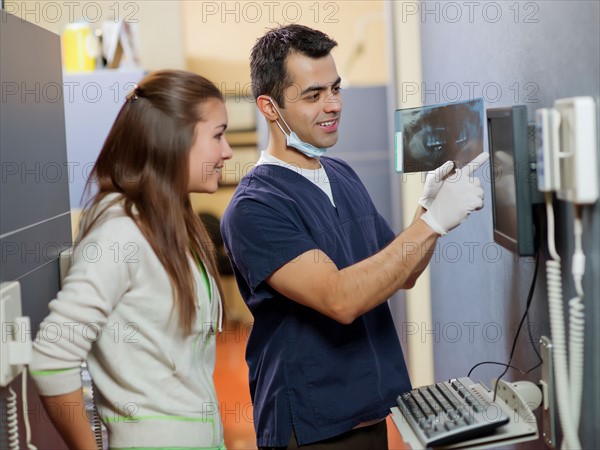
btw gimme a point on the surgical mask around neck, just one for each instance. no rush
(292, 139)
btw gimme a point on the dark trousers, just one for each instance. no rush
(373, 437)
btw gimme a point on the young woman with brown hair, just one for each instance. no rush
(141, 302)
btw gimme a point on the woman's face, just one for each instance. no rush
(210, 149)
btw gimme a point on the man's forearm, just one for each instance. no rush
(365, 285)
(427, 254)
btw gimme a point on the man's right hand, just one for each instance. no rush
(459, 195)
(433, 183)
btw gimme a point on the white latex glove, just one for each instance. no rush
(433, 183)
(459, 195)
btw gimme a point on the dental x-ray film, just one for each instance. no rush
(428, 136)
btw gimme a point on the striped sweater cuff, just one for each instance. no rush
(57, 382)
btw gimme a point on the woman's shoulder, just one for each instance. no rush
(108, 218)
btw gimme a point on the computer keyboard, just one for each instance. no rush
(449, 412)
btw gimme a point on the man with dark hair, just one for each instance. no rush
(268, 59)
(316, 263)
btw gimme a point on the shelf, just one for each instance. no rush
(242, 138)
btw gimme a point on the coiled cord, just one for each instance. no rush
(12, 420)
(96, 422)
(11, 416)
(577, 324)
(576, 355)
(568, 404)
(555, 303)
(89, 398)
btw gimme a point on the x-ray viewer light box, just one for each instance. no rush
(428, 136)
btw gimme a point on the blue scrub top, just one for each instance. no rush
(307, 370)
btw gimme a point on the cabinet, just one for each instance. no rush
(92, 102)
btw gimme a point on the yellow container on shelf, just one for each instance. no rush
(79, 48)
